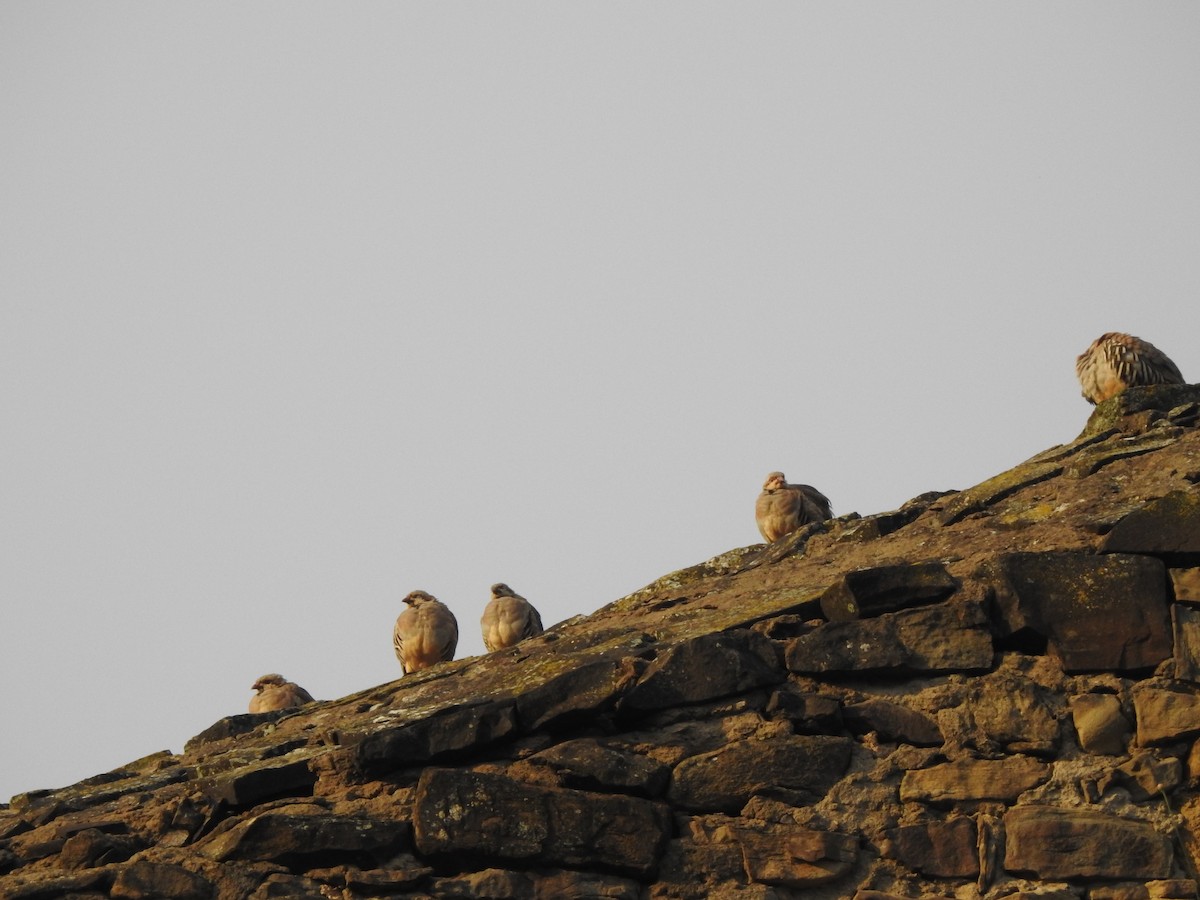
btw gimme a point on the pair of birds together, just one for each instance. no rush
(427, 633)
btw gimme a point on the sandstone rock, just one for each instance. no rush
(1168, 527)
(953, 636)
(589, 765)
(1165, 715)
(864, 593)
(1050, 842)
(809, 713)
(232, 726)
(1146, 775)
(1004, 711)
(973, 779)
(145, 880)
(793, 856)
(1096, 612)
(1100, 724)
(1185, 584)
(892, 722)
(705, 668)
(939, 849)
(284, 833)
(264, 780)
(582, 691)
(725, 779)
(426, 739)
(1185, 629)
(490, 816)
(92, 847)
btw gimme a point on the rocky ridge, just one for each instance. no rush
(990, 693)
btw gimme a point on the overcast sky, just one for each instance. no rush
(305, 306)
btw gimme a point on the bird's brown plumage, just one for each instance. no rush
(782, 508)
(273, 692)
(425, 634)
(1116, 361)
(508, 618)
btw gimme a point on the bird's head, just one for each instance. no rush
(416, 598)
(502, 590)
(774, 481)
(270, 680)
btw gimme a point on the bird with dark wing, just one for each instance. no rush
(1116, 361)
(781, 508)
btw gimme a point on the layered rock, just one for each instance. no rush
(988, 693)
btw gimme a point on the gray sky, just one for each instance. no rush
(305, 306)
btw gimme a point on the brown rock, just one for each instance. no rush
(939, 849)
(578, 692)
(1185, 628)
(864, 593)
(973, 779)
(1168, 527)
(145, 880)
(288, 832)
(809, 713)
(1096, 612)
(793, 856)
(1100, 724)
(476, 814)
(1185, 584)
(1165, 715)
(259, 781)
(892, 722)
(1146, 775)
(805, 765)
(430, 737)
(587, 764)
(1048, 842)
(92, 847)
(950, 637)
(715, 665)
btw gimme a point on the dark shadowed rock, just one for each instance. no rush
(1049, 842)
(232, 726)
(809, 713)
(92, 847)
(892, 722)
(303, 831)
(864, 593)
(951, 636)
(1097, 613)
(578, 692)
(941, 849)
(267, 780)
(589, 765)
(705, 668)
(446, 732)
(475, 814)
(1168, 527)
(724, 780)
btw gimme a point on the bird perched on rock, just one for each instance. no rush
(783, 507)
(426, 633)
(274, 692)
(508, 618)
(1116, 361)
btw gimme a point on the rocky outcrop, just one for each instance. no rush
(990, 693)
